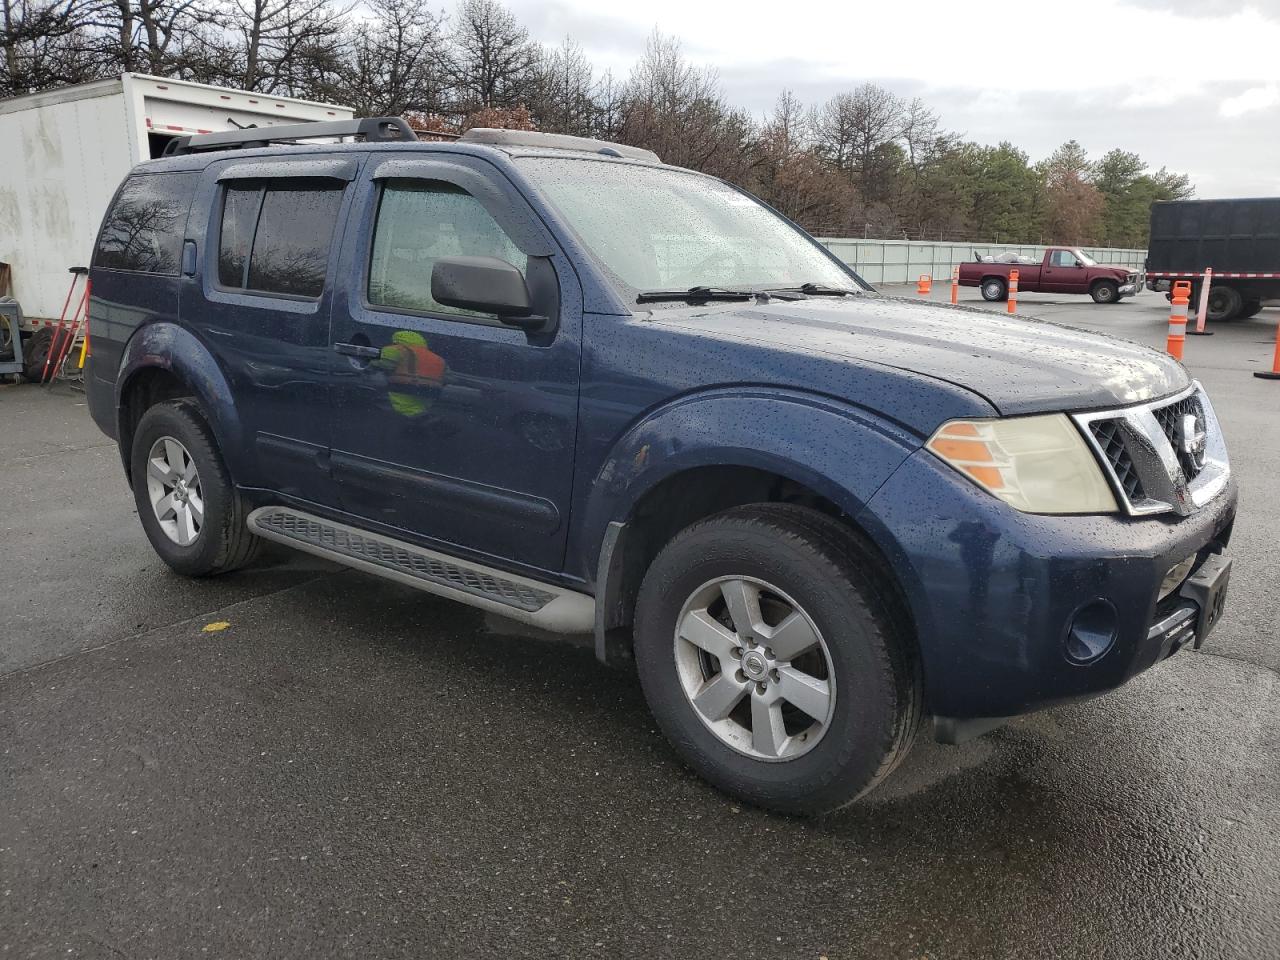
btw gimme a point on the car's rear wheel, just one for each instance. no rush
(994, 289)
(189, 508)
(774, 660)
(1251, 308)
(1104, 291)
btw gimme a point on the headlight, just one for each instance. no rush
(1036, 464)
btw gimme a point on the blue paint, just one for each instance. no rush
(521, 448)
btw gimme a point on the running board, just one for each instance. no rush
(541, 604)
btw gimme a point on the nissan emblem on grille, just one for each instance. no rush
(1192, 438)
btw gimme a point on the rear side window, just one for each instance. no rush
(275, 237)
(420, 221)
(144, 227)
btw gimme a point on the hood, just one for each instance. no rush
(1018, 365)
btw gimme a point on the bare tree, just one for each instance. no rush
(858, 132)
(146, 35)
(396, 61)
(45, 46)
(787, 130)
(677, 110)
(563, 93)
(493, 59)
(288, 47)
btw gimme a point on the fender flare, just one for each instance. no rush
(842, 452)
(167, 346)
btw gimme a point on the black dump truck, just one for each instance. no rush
(1239, 239)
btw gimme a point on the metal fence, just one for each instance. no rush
(903, 261)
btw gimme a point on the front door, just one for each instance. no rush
(260, 298)
(1063, 273)
(448, 424)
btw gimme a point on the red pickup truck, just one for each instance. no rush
(1063, 270)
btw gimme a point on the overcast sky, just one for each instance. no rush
(1190, 84)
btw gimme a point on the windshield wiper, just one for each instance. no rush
(819, 290)
(696, 294)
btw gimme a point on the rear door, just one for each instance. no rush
(261, 300)
(447, 423)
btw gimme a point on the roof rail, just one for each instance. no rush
(557, 141)
(372, 129)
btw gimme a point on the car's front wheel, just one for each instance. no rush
(1105, 292)
(774, 660)
(188, 506)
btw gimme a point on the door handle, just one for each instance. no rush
(357, 350)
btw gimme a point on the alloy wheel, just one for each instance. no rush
(755, 668)
(173, 487)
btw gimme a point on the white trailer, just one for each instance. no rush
(64, 152)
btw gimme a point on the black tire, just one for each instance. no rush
(223, 542)
(35, 350)
(835, 580)
(994, 289)
(7, 333)
(1105, 291)
(1225, 303)
(1251, 308)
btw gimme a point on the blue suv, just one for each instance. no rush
(556, 379)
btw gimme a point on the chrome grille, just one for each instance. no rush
(1145, 457)
(1169, 417)
(1109, 437)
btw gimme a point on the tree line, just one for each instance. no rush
(867, 162)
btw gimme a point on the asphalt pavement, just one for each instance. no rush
(352, 769)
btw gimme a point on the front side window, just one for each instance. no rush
(275, 237)
(656, 228)
(143, 230)
(420, 221)
(1062, 258)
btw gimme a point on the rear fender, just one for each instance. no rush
(169, 347)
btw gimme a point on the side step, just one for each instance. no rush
(541, 604)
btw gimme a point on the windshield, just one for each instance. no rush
(660, 229)
(1084, 258)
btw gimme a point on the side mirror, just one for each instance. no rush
(486, 284)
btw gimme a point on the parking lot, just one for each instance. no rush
(350, 768)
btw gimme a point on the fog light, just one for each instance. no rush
(1177, 573)
(1092, 631)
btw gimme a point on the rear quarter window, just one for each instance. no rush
(143, 230)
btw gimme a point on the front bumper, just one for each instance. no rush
(997, 596)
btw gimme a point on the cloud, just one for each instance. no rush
(1207, 9)
(1251, 101)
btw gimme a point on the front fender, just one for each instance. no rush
(842, 452)
(169, 347)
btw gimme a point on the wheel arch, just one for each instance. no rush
(163, 361)
(808, 451)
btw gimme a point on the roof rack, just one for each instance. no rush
(557, 141)
(371, 129)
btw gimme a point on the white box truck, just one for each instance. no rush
(64, 152)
